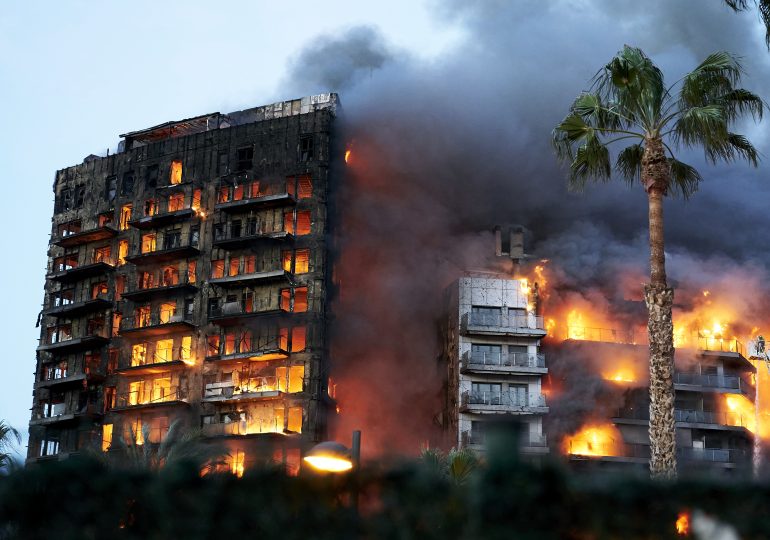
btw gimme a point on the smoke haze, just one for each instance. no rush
(444, 150)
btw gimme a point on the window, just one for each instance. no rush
(127, 186)
(152, 176)
(138, 354)
(306, 148)
(298, 338)
(150, 208)
(64, 201)
(49, 446)
(125, 216)
(300, 186)
(64, 297)
(223, 195)
(122, 251)
(112, 361)
(146, 280)
(296, 376)
(99, 290)
(158, 429)
(102, 254)
(105, 219)
(164, 350)
(110, 395)
(212, 344)
(222, 163)
(245, 155)
(80, 197)
(217, 268)
(148, 243)
(191, 269)
(142, 314)
(303, 223)
(196, 200)
(167, 312)
(487, 393)
(55, 371)
(234, 265)
(300, 300)
(485, 316)
(302, 261)
(176, 202)
(249, 264)
(106, 437)
(170, 276)
(486, 354)
(185, 351)
(172, 239)
(195, 235)
(176, 172)
(110, 188)
(286, 260)
(66, 229)
(295, 419)
(66, 262)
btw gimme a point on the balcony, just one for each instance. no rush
(503, 402)
(233, 312)
(172, 248)
(264, 353)
(74, 377)
(529, 443)
(730, 384)
(228, 392)
(243, 200)
(156, 324)
(503, 324)
(234, 236)
(264, 276)
(159, 362)
(699, 419)
(66, 308)
(70, 273)
(162, 219)
(163, 289)
(167, 396)
(84, 237)
(242, 427)
(62, 341)
(58, 413)
(732, 456)
(605, 335)
(503, 363)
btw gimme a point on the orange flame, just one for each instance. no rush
(683, 523)
(347, 156)
(594, 440)
(741, 412)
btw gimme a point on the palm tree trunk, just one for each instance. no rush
(659, 298)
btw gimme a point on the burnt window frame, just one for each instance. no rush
(127, 184)
(110, 188)
(306, 148)
(243, 163)
(151, 176)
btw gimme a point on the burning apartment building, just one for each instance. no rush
(189, 278)
(492, 348)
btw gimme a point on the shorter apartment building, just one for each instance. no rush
(491, 345)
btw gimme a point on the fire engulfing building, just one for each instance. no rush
(714, 409)
(491, 345)
(189, 278)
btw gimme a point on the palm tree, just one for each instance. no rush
(763, 6)
(629, 101)
(456, 465)
(7, 437)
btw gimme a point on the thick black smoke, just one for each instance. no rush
(446, 149)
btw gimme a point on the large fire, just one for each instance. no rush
(741, 412)
(594, 440)
(683, 523)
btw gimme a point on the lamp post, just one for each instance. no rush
(331, 456)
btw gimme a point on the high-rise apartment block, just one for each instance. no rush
(189, 278)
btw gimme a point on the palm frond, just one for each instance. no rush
(685, 178)
(592, 161)
(461, 465)
(570, 131)
(738, 102)
(713, 78)
(706, 125)
(743, 148)
(629, 162)
(763, 7)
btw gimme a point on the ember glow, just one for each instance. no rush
(623, 373)
(594, 440)
(683, 524)
(741, 412)
(347, 156)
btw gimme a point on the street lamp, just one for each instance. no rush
(330, 456)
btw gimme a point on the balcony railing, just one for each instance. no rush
(732, 382)
(238, 309)
(527, 440)
(232, 196)
(503, 399)
(176, 283)
(498, 322)
(176, 354)
(70, 271)
(165, 248)
(719, 344)
(606, 335)
(63, 339)
(689, 416)
(158, 396)
(716, 455)
(236, 234)
(163, 319)
(509, 360)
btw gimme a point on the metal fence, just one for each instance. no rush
(531, 360)
(504, 399)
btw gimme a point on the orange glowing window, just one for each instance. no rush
(230, 343)
(212, 344)
(249, 264)
(217, 268)
(285, 302)
(303, 223)
(138, 354)
(122, 251)
(167, 312)
(142, 314)
(106, 437)
(192, 266)
(286, 260)
(288, 222)
(176, 172)
(283, 339)
(223, 195)
(298, 337)
(105, 219)
(176, 202)
(125, 216)
(254, 190)
(304, 186)
(302, 261)
(148, 243)
(196, 199)
(237, 462)
(164, 350)
(102, 254)
(158, 429)
(185, 350)
(295, 419)
(99, 290)
(235, 264)
(244, 342)
(238, 192)
(296, 376)
(300, 299)
(116, 318)
(170, 276)
(146, 280)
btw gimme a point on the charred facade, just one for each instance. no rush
(189, 277)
